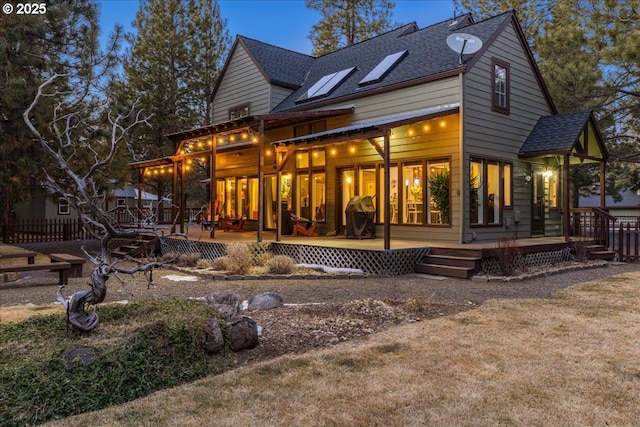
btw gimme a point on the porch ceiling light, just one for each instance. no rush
(547, 173)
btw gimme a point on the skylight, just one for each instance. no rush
(383, 68)
(326, 84)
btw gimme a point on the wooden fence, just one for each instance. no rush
(42, 230)
(626, 242)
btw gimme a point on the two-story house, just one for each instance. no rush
(450, 129)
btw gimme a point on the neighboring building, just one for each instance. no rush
(626, 210)
(43, 206)
(449, 128)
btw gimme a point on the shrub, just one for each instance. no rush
(240, 258)
(204, 263)
(281, 264)
(509, 256)
(581, 250)
(263, 259)
(221, 263)
(188, 260)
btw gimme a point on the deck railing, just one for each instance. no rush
(42, 230)
(124, 215)
(593, 223)
(627, 242)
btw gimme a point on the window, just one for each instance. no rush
(326, 84)
(413, 194)
(500, 86)
(238, 112)
(310, 187)
(120, 202)
(490, 184)
(310, 128)
(438, 192)
(383, 68)
(63, 207)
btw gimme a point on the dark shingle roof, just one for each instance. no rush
(280, 66)
(428, 56)
(557, 133)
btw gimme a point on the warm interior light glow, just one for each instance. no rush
(348, 180)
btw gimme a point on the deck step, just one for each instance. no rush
(143, 245)
(444, 270)
(604, 255)
(454, 261)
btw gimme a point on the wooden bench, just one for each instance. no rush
(76, 263)
(61, 267)
(31, 256)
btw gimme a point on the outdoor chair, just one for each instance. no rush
(304, 226)
(237, 224)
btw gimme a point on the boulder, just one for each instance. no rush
(213, 340)
(265, 301)
(242, 333)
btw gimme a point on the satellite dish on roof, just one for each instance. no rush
(462, 43)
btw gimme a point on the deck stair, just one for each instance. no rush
(146, 243)
(600, 252)
(448, 262)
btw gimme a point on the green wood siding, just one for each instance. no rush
(242, 83)
(493, 135)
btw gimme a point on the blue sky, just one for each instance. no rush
(284, 23)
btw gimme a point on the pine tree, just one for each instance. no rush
(171, 68)
(33, 47)
(346, 22)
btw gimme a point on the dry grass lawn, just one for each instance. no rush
(570, 361)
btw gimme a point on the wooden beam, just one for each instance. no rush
(566, 218)
(213, 188)
(387, 189)
(377, 146)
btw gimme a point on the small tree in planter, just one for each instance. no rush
(439, 192)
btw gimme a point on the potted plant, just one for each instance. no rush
(439, 191)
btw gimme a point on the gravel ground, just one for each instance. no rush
(38, 288)
(317, 312)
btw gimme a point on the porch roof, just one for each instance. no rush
(270, 121)
(372, 128)
(565, 134)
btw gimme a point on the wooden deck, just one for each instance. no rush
(195, 234)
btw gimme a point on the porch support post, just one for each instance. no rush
(174, 192)
(278, 206)
(387, 189)
(183, 198)
(213, 188)
(260, 179)
(603, 183)
(140, 179)
(566, 218)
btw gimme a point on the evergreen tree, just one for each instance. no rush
(62, 40)
(171, 67)
(346, 22)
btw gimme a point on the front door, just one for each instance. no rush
(538, 211)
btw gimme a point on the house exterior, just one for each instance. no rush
(449, 129)
(43, 206)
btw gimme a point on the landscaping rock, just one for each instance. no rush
(242, 333)
(265, 301)
(82, 355)
(213, 340)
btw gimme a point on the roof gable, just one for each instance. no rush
(279, 66)
(570, 133)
